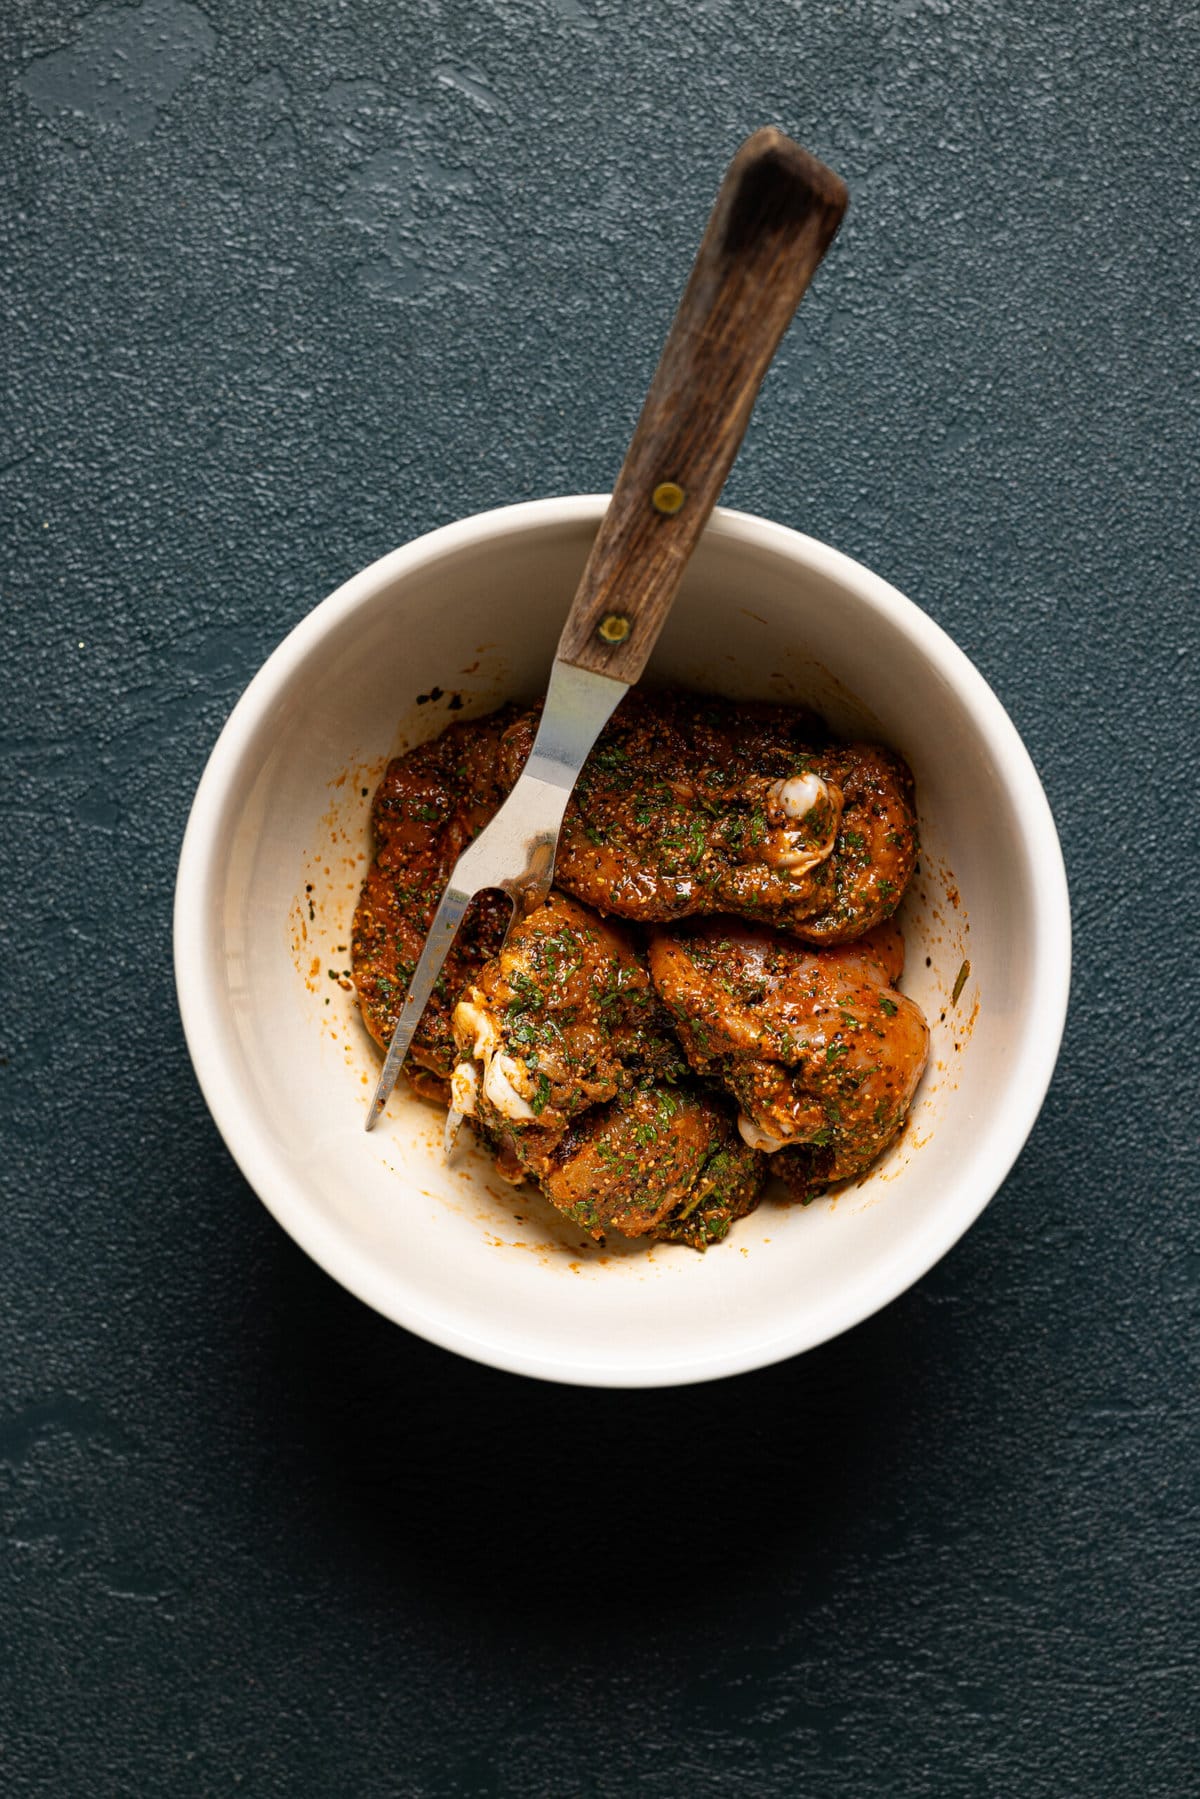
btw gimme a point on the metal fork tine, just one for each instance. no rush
(442, 933)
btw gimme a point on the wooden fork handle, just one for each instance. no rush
(774, 219)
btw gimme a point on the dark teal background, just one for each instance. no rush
(283, 286)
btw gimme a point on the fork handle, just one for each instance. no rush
(774, 219)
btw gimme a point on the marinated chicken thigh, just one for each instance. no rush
(690, 804)
(563, 1018)
(664, 1162)
(820, 1050)
(567, 1063)
(427, 808)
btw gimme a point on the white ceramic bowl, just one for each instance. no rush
(275, 849)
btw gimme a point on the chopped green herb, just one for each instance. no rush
(538, 1102)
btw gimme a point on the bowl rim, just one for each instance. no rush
(198, 885)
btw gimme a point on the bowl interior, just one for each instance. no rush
(448, 628)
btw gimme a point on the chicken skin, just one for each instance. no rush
(657, 1161)
(820, 1050)
(564, 1017)
(427, 808)
(690, 804)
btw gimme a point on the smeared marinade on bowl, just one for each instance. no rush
(710, 991)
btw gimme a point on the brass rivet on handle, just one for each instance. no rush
(615, 628)
(667, 497)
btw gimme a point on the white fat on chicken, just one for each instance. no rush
(471, 1019)
(464, 1088)
(503, 1075)
(796, 798)
(754, 1137)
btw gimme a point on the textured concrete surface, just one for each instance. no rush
(283, 286)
